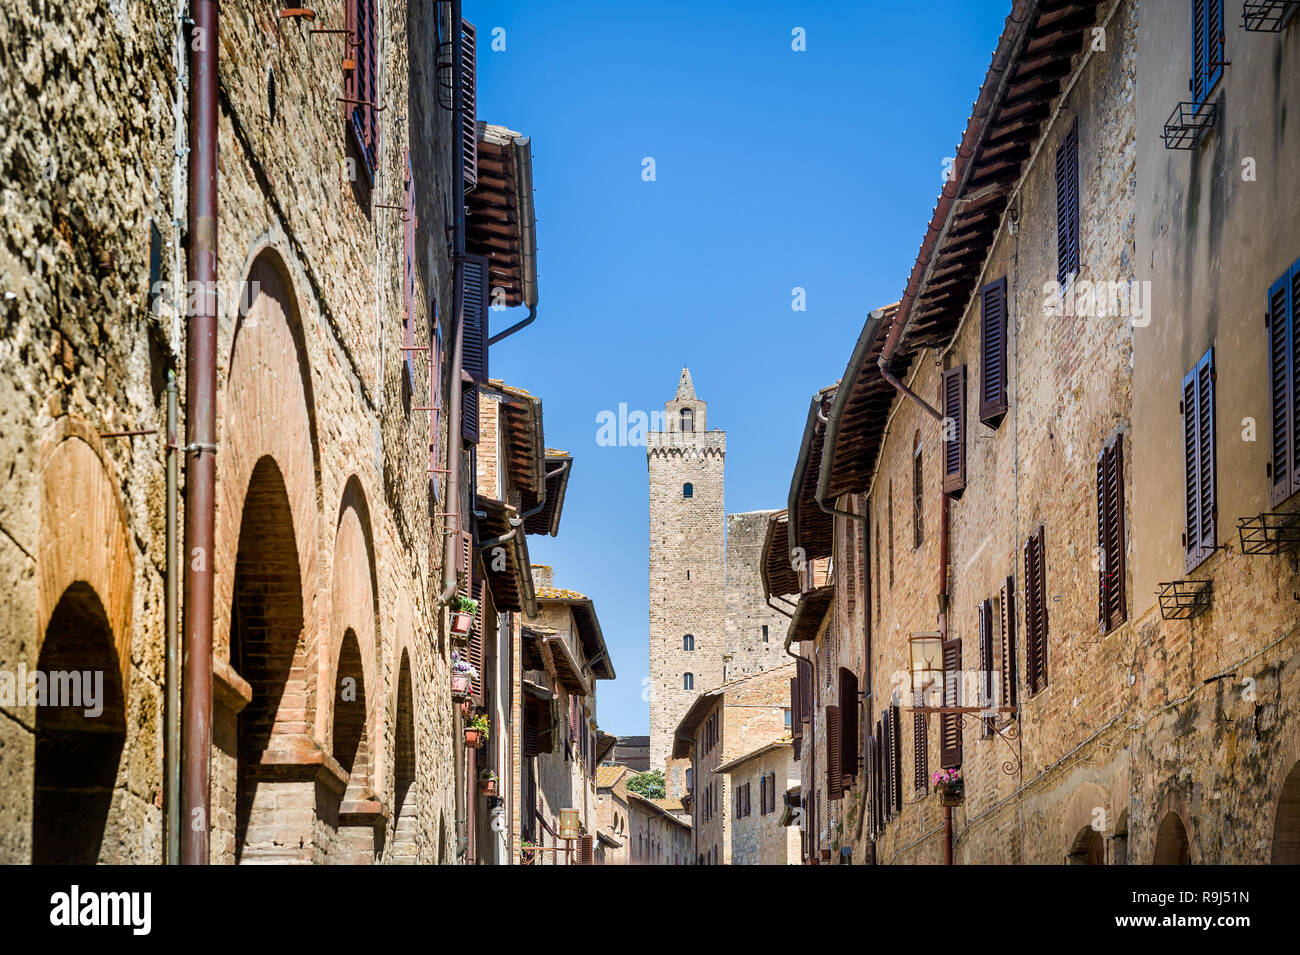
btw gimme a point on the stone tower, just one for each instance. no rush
(687, 564)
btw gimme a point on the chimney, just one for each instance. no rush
(543, 575)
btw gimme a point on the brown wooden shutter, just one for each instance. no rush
(920, 752)
(993, 352)
(469, 104)
(1110, 535)
(1284, 385)
(806, 677)
(849, 721)
(1198, 461)
(474, 348)
(873, 773)
(575, 717)
(530, 721)
(1035, 612)
(950, 735)
(1007, 605)
(954, 426)
(796, 719)
(476, 639)
(359, 76)
(987, 680)
(1067, 205)
(896, 764)
(585, 855)
(834, 779)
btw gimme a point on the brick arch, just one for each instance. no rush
(1173, 842)
(267, 412)
(406, 788)
(354, 605)
(83, 536)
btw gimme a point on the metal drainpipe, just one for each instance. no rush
(454, 451)
(943, 633)
(201, 431)
(172, 704)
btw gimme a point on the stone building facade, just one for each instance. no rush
(723, 724)
(759, 781)
(708, 621)
(334, 735)
(657, 836)
(1120, 708)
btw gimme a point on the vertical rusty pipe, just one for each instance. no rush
(947, 835)
(452, 504)
(200, 429)
(172, 677)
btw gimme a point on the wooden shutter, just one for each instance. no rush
(1035, 612)
(834, 779)
(954, 426)
(886, 763)
(1067, 205)
(950, 735)
(987, 682)
(575, 717)
(585, 850)
(1198, 461)
(849, 721)
(529, 714)
(469, 107)
(1207, 47)
(920, 752)
(1284, 384)
(896, 763)
(806, 677)
(474, 348)
(796, 719)
(1007, 606)
(1199, 47)
(873, 772)
(476, 639)
(993, 352)
(359, 78)
(1110, 534)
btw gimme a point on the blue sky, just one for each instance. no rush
(774, 169)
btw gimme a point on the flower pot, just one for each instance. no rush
(473, 738)
(826, 855)
(527, 856)
(461, 622)
(947, 798)
(487, 787)
(462, 688)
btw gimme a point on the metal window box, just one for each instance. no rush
(1184, 599)
(1269, 533)
(1187, 123)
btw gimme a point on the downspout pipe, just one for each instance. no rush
(201, 430)
(454, 450)
(171, 603)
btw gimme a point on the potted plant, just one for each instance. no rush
(462, 678)
(950, 786)
(487, 783)
(476, 733)
(527, 852)
(463, 610)
(825, 855)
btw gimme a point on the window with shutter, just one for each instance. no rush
(359, 85)
(1207, 47)
(950, 736)
(987, 680)
(873, 777)
(834, 779)
(1110, 535)
(953, 394)
(920, 752)
(918, 497)
(1007, 610)
(530, 721)
(993, 352)
(474, 348)
(805, 671)
(1284, 384)
(475, 647)
(896, 761)
(1198, 461)
(849, 723)
(886, 762)
(469, 104)
(1067, 206)
(796, 723)
(891, 535)
(1035, 612)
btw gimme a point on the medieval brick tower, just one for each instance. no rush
(687, 563)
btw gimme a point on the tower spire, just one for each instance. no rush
(685, 387)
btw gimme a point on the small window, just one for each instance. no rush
(688, 490)
(918, 510)
(687, 420)
(785, 713)
(688, 643)
(765, 633)
(1207, 47)
(1067, 206)
(688, 681)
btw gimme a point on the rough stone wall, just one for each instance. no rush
(81, 344)
(759, 838)
(686, 537)
(754, 631)
(613, 818)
